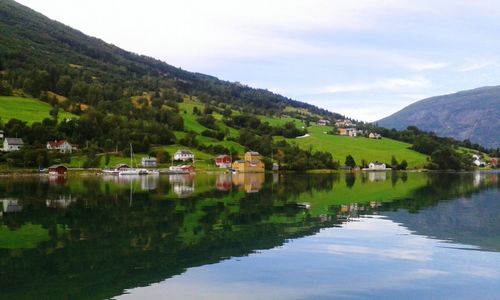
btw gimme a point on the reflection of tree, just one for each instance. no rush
(350, 179)
(99, 245)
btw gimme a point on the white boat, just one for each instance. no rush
(132, 170)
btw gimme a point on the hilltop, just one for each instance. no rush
(472, 114)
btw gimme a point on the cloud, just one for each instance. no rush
(403, 254)
(475, 65)
(390, 84)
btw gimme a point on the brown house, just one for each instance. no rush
(251, 164)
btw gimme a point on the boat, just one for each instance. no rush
(132, 170)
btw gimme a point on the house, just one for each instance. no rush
(495, 162)
(12, 144)
(149, 162)
(348, 131)
(374, 135)
(377, 166)
(58, 170)
(62, 146)
(344, 123)
(323, 122)
(183, 155)
(251, 164)
(1, 134)
(121, 167)
(476, 159)
(11, 205)
(223, 161)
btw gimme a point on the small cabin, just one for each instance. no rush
(12, 144)
(223, 161)
(377, 166)
(149, 162)
(184, 155)
(120, 167)
(58, 170)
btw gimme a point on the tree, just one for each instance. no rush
(162, 156)
(349, 161)
(394, 162)
(403, 165)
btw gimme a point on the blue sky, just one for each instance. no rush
(365, 59)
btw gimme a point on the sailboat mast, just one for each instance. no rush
(131, 153)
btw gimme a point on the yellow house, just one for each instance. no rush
(251, 164)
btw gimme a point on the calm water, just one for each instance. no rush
(377, 235)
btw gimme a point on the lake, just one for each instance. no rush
(371, 235)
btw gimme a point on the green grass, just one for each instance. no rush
(27, 109)
(359, 147)
(280, 121)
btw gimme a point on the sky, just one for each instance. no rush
(365, 59)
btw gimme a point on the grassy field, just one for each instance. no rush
(359, 147)
(27, 109)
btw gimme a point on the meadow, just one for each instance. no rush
(359, 147)
(27, 109)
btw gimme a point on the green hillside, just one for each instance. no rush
(359, 147)
(28, 109)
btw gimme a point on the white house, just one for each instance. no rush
(183, 155)
(149, 162)
(478, 161)
(1, 134)
(323, 122)
(374, 135)
(376, 166)
(62, 146)
(12, 144)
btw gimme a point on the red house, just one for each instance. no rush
(58, 170)
(223, 161)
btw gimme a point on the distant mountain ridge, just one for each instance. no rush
(471, 114)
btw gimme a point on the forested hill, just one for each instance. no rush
(472, 115)
(38, 54)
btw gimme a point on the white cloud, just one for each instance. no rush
(474, 65)
(390, 84)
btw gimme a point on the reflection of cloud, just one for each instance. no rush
(482, 272)
(416, 255)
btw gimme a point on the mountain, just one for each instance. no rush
(36, 52)
(472, 114)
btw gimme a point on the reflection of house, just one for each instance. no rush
(183, 155)
(149, 162)
(62, 202)
(377, 176)
(12, 144)
(183, 184)
(251, 164)
(223, 161)
(224, 182)
(58, 170)
(348, 131)
(251, 182)
(11, 205)
(62, 146)
(374, 135)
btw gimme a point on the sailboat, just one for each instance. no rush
(132, 170)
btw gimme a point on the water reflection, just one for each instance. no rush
(84, 238)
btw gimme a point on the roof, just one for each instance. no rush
(253, 153)
(377, 163)
(57, 143)
(222, 155)
(186, 152)
(14, 141)
(148, 158)
(58, 166)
